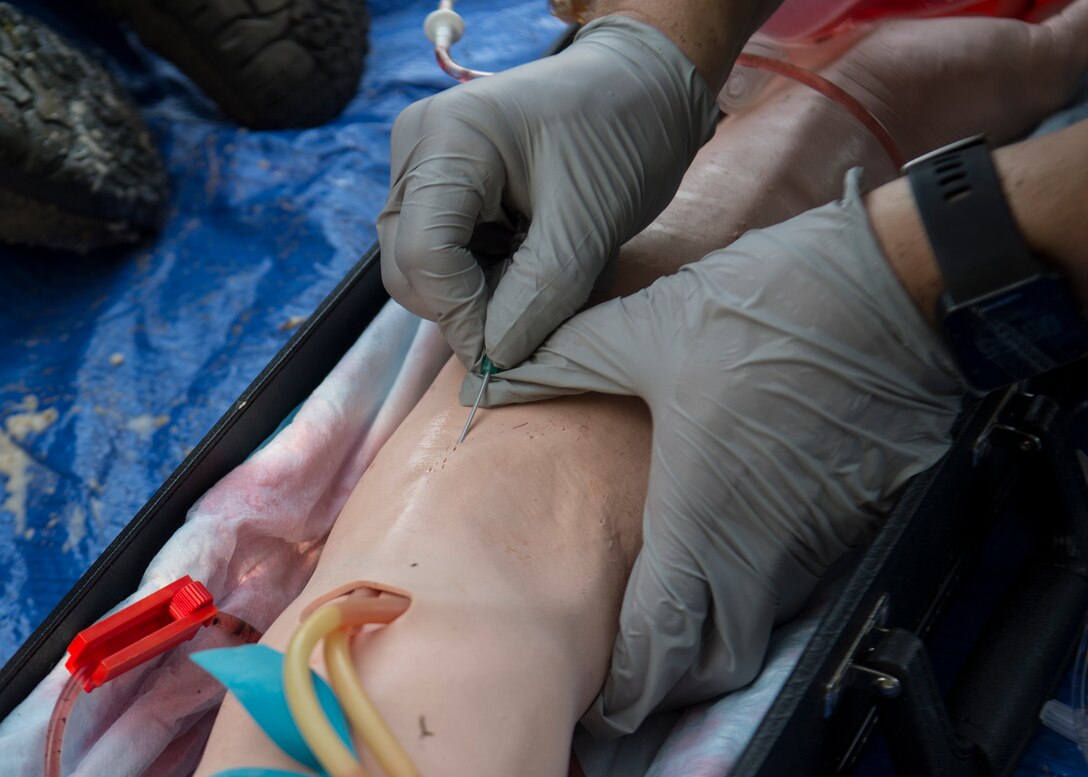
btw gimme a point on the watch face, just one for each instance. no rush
(1017, 332)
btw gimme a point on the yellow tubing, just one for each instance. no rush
(364, 716)
(298, 686)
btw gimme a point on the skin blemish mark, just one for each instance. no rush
(516, 553)
(414, 564)
(424, 732)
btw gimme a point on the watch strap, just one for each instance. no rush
(970, 227)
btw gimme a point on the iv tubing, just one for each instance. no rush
(460, 72)
(833, 92)
(444, 27)
(359, 608)
(62, 710)
(237, 627)
(799, 74)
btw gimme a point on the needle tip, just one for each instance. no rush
(472, 413)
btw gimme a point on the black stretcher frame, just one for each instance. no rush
(1013, 460)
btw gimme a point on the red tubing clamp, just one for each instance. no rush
(141, 631)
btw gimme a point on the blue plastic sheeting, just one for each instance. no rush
(113, 365)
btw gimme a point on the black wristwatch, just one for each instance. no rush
(1006, 315)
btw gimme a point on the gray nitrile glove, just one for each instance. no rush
(589, 144)
(793, 387)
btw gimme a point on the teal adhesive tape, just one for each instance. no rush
(254, 674)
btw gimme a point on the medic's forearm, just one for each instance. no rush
(1043, 180)
(710, 32)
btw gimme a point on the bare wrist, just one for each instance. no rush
(710, 33)
(1042, 179)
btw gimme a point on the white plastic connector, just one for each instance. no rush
(1065, 720)
(744, 83)
(1059, 717)
(443, 27)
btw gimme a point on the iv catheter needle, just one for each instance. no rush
(472, 413)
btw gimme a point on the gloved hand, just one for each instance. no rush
(589, 144)
(793, 387)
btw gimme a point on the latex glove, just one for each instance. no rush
(589, 144)
(793, 387)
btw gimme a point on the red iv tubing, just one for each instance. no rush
(138, 633)
(759, 62)
(832, 92)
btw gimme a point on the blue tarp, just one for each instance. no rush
(113, 365)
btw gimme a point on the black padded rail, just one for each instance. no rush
(287, 380)
(918, 560)
(913, 559)
(1039, 620)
